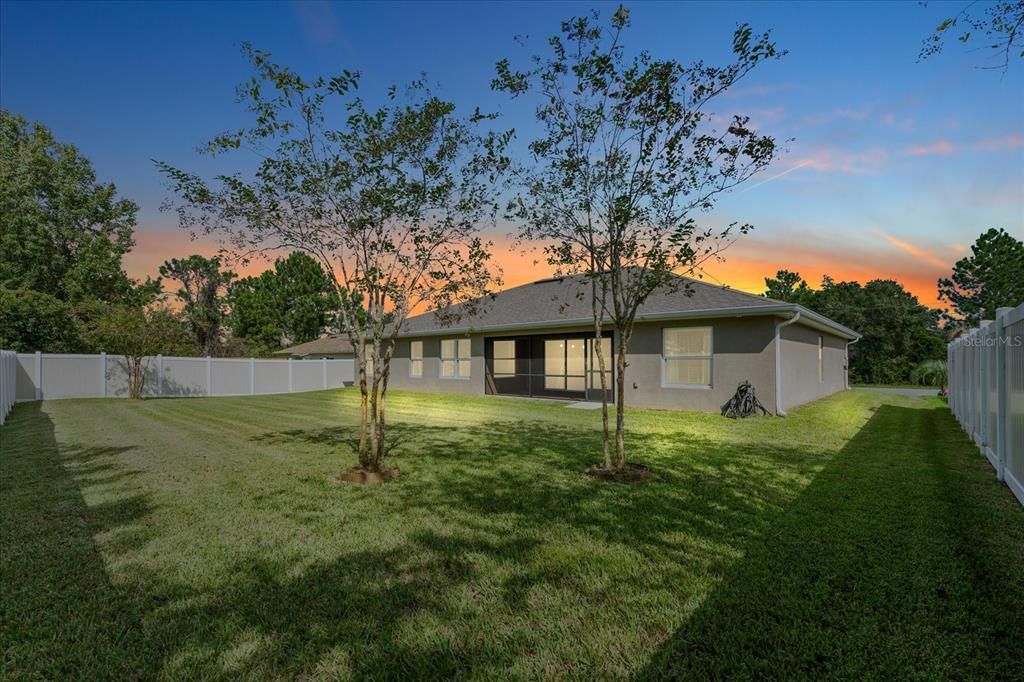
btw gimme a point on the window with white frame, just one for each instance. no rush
(456, 361)
(686, 357)
(416, 359)
(504, 359)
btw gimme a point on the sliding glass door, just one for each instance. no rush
(549, 365)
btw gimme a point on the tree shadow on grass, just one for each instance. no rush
(498, 516)
(531, 473)
(901, 560)
(62, 617)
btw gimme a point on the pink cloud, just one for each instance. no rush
(937, 147)
(1001, 143)
(830, 159)
(913, 250)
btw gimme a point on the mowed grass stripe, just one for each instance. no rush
(206, 538)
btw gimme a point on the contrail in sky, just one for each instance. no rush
(776, 177)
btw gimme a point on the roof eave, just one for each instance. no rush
(809, 318)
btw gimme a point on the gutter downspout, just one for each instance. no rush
(848, 344)
(779, 412)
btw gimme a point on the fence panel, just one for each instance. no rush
(230, 376)
(986, 392)
(47, 376)
(8, 382)
(1014, 431)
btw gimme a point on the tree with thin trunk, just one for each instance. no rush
(390, 200)
(628, 156)
(138, 335)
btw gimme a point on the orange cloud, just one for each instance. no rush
(746, 263)
(915, 251)
(937, 147)
(154, 246)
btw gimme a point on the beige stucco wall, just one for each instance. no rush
(742, 350)
(431, 379)
(799, 361)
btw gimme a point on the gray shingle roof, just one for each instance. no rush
(566, 301)
(327, 345)
(562, 299)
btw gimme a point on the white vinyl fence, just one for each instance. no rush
(48, 376)
(986, 392)
(8, 379)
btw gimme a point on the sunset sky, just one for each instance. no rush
(895, 168)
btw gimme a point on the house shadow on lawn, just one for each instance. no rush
(62, 616)
(903, 559)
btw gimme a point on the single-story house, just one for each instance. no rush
(691, 347)
(331, 347)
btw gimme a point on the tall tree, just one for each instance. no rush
(202, 294)
(293, 302)
(788, 286)
(994, 26)
(390, 200)
(62, 233)
(626, 160)
(991, 277)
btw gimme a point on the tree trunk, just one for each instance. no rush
(363, 413)
(374, 463)
(601, 364)
(382, 401)
(620, 405)
(135, 377)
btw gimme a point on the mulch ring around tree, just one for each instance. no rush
(631, 473)
(364, 476)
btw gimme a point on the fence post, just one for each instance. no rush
(324, 360)
(103, 374)
(289, 375)
(252, 376)
(159, 376)
(1002, 348)
(985, 335)
(972, 394)
(39, 375)
(209, 376)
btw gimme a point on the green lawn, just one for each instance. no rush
(862, 536)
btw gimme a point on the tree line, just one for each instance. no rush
(900, 335)
(63, 287)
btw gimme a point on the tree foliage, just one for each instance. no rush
(290, 304)
(33, 321)
(931, 373)
(62, 233)
(790, 287)
(898, 332)
(626, 161)
(990, 278)
(993, 26)
(203, 296)
(138, 334)
(388, 199)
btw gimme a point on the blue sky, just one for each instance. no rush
(896, 166)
